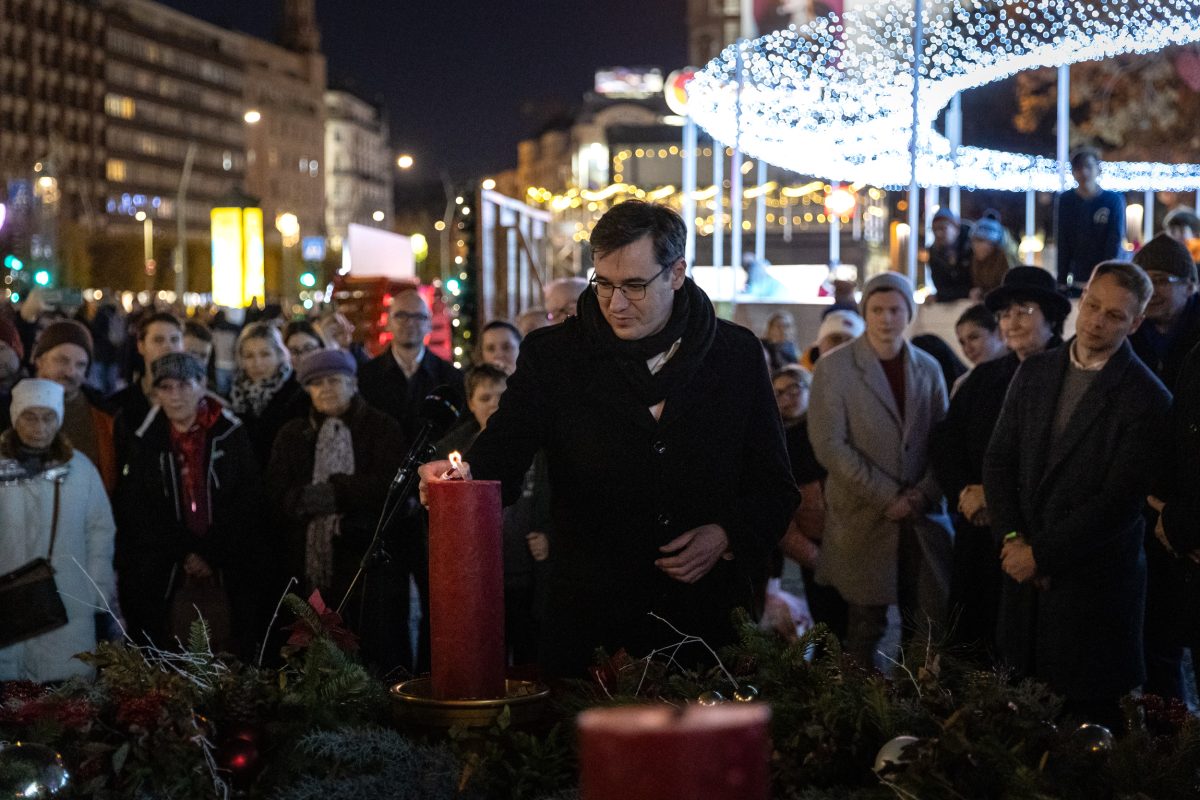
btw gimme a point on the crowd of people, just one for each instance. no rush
(193, 466)
(1035, 507)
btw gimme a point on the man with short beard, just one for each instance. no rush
(63, 354)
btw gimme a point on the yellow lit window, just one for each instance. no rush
(117, 105)
(114, 169)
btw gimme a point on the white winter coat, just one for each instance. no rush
(84, 543)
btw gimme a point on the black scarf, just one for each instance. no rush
(693, 322)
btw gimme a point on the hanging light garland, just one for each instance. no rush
(834, 98)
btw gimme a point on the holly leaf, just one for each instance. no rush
(119, 758)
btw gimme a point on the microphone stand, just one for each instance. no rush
(402, 485)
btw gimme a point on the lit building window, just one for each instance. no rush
(114, 169)
(117, 105)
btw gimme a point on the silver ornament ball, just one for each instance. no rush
(746, 693)
(711, 699)
(33, 771)
(892, 755)
(1093, 739)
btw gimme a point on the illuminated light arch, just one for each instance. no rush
(834, 97)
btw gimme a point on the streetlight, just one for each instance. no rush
(405, 161)
(252, 117)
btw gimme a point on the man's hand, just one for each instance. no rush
(434, 470)
(916, 501)
(695, 553)
(971, 501)
(1160, 533)
(196, 567)
(900, 508)
(1016, 559)
(539, 545)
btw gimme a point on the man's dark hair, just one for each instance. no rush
(979, 314)
(500, 324)
(480, 374)
(1129, 277)
(1182, 217)
(1083, 154)
(197, 330)
(625, 223)
(165, 317)
(302, 326)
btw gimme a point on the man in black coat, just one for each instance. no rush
(1171, 331)
(399, 378)
(1178, 528)
(395, 382)
(188, 508)
(669, 479)
(1066, 476)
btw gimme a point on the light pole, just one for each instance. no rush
(288, 225)
(43, 245)
(147, 247)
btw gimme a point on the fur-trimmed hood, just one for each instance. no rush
(61, 450)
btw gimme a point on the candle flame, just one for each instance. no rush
(456, 461)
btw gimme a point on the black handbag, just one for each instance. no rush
(29, 601)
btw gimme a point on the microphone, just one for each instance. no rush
(437, 413)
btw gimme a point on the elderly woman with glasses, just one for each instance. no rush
(1030, 312)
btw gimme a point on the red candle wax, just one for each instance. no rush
(466, 590)
(663, 753)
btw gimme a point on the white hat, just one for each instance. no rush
(37, 393)
(841, 321)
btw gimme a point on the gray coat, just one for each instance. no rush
(872, 453)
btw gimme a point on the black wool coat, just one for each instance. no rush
(289, 403)
(623, 484)
(1180, 482)
(1079, 505)
(153, 539)
(383, 384)
(378, 452)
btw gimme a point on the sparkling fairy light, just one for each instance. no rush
(834, 97)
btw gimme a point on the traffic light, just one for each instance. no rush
(308, 279)
(42, 277)
(13, 263)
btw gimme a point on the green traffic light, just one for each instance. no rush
(308, 279)
(41, 277)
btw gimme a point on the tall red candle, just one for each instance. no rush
(663, 753)
(466, 590)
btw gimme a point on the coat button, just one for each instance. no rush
(659, 447)
(664, 520)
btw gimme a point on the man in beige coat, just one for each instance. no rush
(887, 539)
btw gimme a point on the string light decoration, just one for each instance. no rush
(834, 98)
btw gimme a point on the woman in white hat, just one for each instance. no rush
(52, 505)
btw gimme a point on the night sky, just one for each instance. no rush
(463, 82)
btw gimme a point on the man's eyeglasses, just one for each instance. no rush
(1014, 311)
(1165, 280)
(633, 290)
(405, 316)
